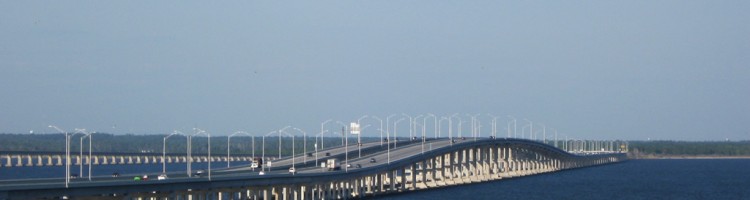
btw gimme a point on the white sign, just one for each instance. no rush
(354, 128)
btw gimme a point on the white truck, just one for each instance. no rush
(332, 164)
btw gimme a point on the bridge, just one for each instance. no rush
(413, 165)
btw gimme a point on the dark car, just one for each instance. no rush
(372, 160)
(328, 154)
(358, 166)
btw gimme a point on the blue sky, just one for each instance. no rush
(673, 70)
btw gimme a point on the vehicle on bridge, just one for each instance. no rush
(292, 170)
(162, 177)
(332, 164)
(257, 162)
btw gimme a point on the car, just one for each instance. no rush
(492, 137)
(348, 165)
(328, 153)
(453, 141)
(137, 178)
(372, 160)
(115, 174)
(145, 177)
(199, 172)
(309, 155)
(385, 139)
(292, 170)
(463, 138)
(358, 166)
(73, 176)
(261, 173)
(162, 177)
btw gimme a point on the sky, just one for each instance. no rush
(635, 70)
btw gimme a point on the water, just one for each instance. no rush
(7, 173)
(634, 179)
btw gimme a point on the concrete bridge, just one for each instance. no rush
(416, 166)
(58, 159)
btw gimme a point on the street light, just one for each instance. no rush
(514, 127)
(290, 135)
(304, 143)
(282, 130)
(86, 134)
(473, 125)
(67, 154)
(229, 138)
(343, 134)
(435, 122)
(321, 132)
(440, 126)
(381, 128)
(201, 132)
(388, 150)
(450, 124)
(359, 140)
(388, 129)
(316, 146)
(395, 132)
(414, 126)
(494, 125)
(531, 129)
(263, 152)
(411, 122)
(164, 151)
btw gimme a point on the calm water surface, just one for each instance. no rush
(634, 179)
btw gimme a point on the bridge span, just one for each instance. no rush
(432, 164)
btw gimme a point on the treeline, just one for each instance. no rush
(109, 143)
(681, 148)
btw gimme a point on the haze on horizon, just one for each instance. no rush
(675, 70)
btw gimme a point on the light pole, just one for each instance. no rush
(473, 125)
(343, 134)
(290, 135)
(229, 138)
(304, 144)
(263, 151)
(202, 132)
(544, 133)
(450, 125)
(359, 141)
(435, 123)
(164, 151)
(388, 129)
(86, 134)
(414, 126)
(321, 132)
(494, 125)
(381, 128)
(280, 131)
(555, 137)
(440, 126)
(514, 127)
(316, 146)
(395, 132)
(531, 129)
(67, 154)
(411, 123)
